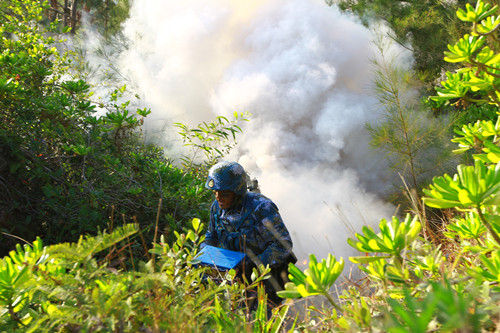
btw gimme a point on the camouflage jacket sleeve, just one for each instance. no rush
(211, 234)
(273, 232)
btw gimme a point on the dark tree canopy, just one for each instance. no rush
(424, 26)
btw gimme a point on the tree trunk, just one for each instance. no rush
(53, 10)
(66, 13)
(74, 17)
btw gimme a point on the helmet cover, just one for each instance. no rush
(227, 176)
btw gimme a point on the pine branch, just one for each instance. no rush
(89, 246)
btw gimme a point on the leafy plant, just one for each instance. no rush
(263, 324)
(475, 135)
(442, 304)
(87, 247)
(316, 280)
(212, 139)
(27, 272)
(479, 78)
(64, 287)
(490, 269)
(481, 137)
(393, 238)
(472, 113)
(468, 227)
(472, 188)
(66, 167)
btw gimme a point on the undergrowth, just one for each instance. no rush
(62, 165)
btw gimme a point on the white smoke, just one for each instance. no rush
(303, 70)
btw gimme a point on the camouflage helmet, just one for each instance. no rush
(227, 176)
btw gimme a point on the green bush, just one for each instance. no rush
(473, 113)
(478, 53)
(65, 169)
(64, 287)
(424, 283)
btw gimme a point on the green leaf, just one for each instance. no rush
(317, 279)
(392, 239)
(367, 259)
(472, 186)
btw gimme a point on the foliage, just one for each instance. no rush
(63, 288)
(69, 161)
(411, 286)
(466, 227)
(424, 26)
(473, 186)
(409, 135)
(262, 322)
(212, 139)
(415, 284)
(316, 280)
(479, 78)
(65, 166)
(475, 136)
(449, 309)
(106, 15)
(394, 237)
(473, 113)
(28, 275)
(87, 247)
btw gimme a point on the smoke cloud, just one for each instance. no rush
(303, 70)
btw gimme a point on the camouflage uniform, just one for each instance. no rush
(252, 225)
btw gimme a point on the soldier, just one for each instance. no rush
(248, 222)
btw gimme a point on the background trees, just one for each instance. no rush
(64, 170)
(445, 280)
(424, 26)
(107, 15)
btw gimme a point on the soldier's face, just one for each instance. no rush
(225, 198)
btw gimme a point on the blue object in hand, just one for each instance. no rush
(221, 258)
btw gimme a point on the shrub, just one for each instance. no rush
(64, 168)
(416, 284)
(64, 287)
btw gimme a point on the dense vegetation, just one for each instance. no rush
(72, 166)
(64, 169)
(423, 26)
(420, 279)
(106, 15)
